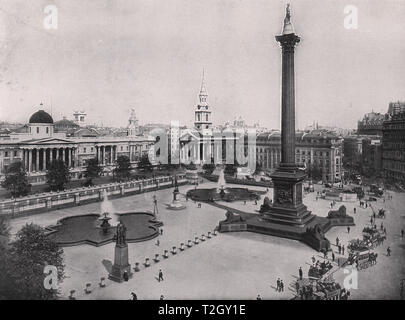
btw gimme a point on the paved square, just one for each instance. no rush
(236, 265)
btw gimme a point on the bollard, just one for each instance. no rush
(182, 246)
(102, 282)
(209, 235)
(71, 297)
(174, 250)
(156, 257)
(136, 268)
(165, 254)
(196, 240)
(202, 237)
(88, 288)
(147, 263)
(189, 244)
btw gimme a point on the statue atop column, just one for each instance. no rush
(288, 27)
(121, 235)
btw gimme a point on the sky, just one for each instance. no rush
(108, 56)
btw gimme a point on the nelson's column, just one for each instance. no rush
(287, 216)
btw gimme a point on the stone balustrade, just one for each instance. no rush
(73, 197)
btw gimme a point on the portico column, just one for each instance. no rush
(43, 159)
(115, 153)
(69, 164)
(37, 160)
(57, 153)
(30, 160)
(63, 155)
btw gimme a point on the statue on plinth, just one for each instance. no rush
(121, 234)
(121, 269)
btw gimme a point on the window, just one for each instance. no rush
(37, 129)
(84, 150)
(91, 149)
(47, 129)
(6, 154)
(15, 153)
(206, 117)
(122, 148)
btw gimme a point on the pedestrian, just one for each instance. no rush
(297, 287)
(313, 259)
(157, 242)
(325, 254)
(348, 229)
(160, 275)
(161, 231)
(134, 297)
(381, 227)
(388, 251)
(339, 249)
(402, 233)
(278, 285)
(354, 210)
(300, 273)
(337, 241)
(333, 257)
(385, 231)
(162, 297)
(281, 286)
(343, 250)
(258, 297)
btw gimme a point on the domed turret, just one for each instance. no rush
(41, 124)
(41, 117)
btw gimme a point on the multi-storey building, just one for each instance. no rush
(371, 124)
(315, 148)
(393, 144)
(38, 145)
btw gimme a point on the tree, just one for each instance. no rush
(314, 172)
(231, 168)
(57, 175)
(16, 180)
(24, 265)
(93, 170)
(208, 168)
(191, 166)
(144, 163)
(122, 171)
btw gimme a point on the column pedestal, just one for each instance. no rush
(121, 264)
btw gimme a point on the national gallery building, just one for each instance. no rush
(39, 144)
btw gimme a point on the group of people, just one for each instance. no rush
(280, 285)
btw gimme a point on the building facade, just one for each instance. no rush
(371, 124)
(393, 146)
(315, 148)
(40, 145)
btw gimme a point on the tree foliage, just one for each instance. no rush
(93, 170)
(123, 168)
(208, 168)
(23, 262)
(57, 175)
(16, 180)
(144, 163)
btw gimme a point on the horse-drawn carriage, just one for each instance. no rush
(316, 271)
(373, 237)
(381, 213)
(360, 255)
(311, 289)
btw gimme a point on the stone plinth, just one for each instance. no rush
(121, 264)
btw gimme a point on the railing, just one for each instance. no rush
(73, 197)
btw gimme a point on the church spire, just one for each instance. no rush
(203, 91)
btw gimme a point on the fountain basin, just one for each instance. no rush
(225, 194)
(87, 229)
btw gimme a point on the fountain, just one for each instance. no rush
(107, 217)
(81, 229)
(175, 204)
(221, 192)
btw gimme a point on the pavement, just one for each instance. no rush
(238, 265)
